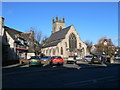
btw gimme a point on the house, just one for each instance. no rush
(16, 44)
(64, 41)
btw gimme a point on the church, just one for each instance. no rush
(64, 41)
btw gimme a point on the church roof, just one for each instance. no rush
(56, 37)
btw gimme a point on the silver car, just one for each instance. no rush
(88, 58)
(117, 58)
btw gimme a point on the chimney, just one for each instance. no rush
(1, 21)
(1, 25)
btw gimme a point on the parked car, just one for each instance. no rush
(45, 60)
(56, 60)
(88, 58)
(24, 61)
(71, 59)
(98, 59)
(34, 60)
(117, 58)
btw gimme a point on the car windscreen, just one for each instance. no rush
(71, 56)
(57, 57)
(34, 57)
(118, 55)
(46, 57)
(88, 56)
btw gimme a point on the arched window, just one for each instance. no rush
(65, 44)
(61, 51)
(72, 42)
(60, 27)
(53, 51)
(50, 52)
(46, 52)
(57, 50)
(79, 45)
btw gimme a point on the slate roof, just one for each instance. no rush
(56, 37)
(25, 36)
(12, 32)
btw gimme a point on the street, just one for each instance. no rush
(66, 76)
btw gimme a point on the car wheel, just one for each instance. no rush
(51, 64)
(67, 62)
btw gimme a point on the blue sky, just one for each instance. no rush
(92, 20)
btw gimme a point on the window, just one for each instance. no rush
(80, 45)
(61, 51)
(57, 50)
(50, 52)
(72, 42)
(60, 28)
(53, 51)
(46, 52)
(65, 44)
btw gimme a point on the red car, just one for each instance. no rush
(56, 60)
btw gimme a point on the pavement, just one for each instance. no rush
(79, 65)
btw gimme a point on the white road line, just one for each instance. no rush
(25, 66)
(89, 81)
(11, 66)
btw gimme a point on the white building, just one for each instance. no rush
(16, 44)
(64, 41)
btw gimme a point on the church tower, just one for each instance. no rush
(58, 24)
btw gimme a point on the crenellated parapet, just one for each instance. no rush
(58, 20)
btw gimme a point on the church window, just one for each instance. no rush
(57, 49)
(53, 51)
(80, 45)
(46, 52)
(65, 44)
(60, 28)
(61, 51)
(50, 52)
(72, 42)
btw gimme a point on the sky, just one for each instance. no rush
(92, 20)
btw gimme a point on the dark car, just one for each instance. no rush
(56, 60)
(34, 60)
(98, 59)
(46, 59)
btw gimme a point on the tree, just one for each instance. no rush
(38, 38)
(89, 45)
(105, 46)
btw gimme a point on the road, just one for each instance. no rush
(70, 76)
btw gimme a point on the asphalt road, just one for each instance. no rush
(61, 77)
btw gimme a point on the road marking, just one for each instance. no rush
(86, 82)
(10, 66)
(25, 66)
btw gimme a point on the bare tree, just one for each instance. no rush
(89, 45)
(38, 39)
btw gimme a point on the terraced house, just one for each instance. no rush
(16, 44)
(64, 41)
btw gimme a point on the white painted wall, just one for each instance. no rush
(29, 55)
